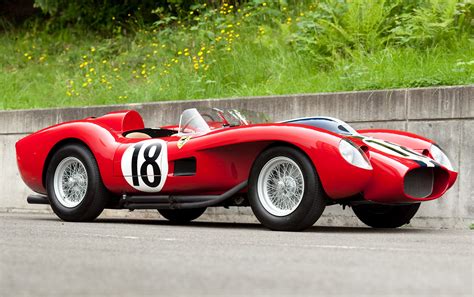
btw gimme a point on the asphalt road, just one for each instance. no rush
(42, 256)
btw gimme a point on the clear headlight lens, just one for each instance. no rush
(353, 154)
(440, 157)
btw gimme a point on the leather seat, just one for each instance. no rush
(137, 135)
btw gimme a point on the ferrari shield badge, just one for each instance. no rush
(182, 141)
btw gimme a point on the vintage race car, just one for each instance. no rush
(287, 172)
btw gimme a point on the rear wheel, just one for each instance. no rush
(284, 190)
(74, 185)
(385, 216)
(181, 216)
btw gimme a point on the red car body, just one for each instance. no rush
(223, 158)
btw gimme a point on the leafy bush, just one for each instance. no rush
(101, 15)
(336, 27)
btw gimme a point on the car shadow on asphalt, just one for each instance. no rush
(239, 225)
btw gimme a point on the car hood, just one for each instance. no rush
(394, 151)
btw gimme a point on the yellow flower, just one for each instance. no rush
(180, 53)
(186, 54)
(200, 54)
(92, 69)
(104, 61)
(92, 49)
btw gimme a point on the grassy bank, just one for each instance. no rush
(257, 49)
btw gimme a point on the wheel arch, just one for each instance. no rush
(290, 145)
(53, 151)
(281, 143)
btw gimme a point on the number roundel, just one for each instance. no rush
(145, 165)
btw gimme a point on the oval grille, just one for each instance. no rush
(418, 183)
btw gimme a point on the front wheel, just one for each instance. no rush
(284, 190)
(385, 216)
(74, 185)
(181, 216)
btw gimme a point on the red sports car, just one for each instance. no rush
(287, 172)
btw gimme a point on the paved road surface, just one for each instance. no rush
(42, 256)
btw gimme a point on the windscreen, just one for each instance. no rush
(191, 122)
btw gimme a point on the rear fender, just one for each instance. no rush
(35, 150)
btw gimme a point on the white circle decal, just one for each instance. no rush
(145, 165)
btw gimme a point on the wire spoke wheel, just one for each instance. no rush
(284, 190)
(280, 186)
(70, 182)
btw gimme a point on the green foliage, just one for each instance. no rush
(334, 27)
(225, 50)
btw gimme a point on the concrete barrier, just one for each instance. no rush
(445, 114)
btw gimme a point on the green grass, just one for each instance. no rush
(235, 55)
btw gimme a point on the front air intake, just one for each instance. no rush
(418, 183)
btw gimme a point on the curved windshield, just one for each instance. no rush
(204, 120)
(327, 123)
(191, 121)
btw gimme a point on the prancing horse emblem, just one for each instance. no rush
(182, 141)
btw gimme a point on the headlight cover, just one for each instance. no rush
(440, 157)
(353, 154)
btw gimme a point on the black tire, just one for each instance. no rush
(385, 216)
(312, 202)
(181, 216)
(96, 196)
